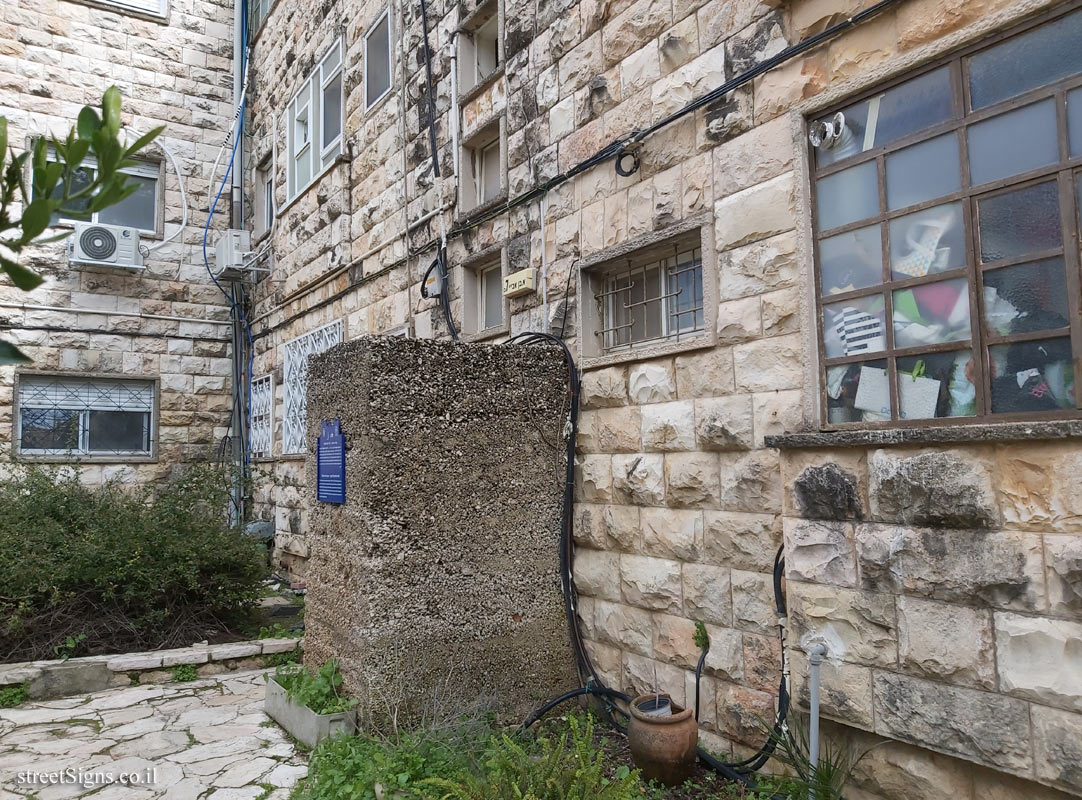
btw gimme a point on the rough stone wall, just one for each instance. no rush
(950, 593)
(55, 57)
(680, 504)
(436, 585)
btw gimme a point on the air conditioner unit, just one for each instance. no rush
(230, 254)
(105, 246)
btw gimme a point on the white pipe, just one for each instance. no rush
(183, 194)
(137, 314)
(454, 102)
(421, 220)
(815, 661)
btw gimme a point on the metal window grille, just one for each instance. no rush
(261, 422)
(650, 302)
(295, 388)
(61, 416)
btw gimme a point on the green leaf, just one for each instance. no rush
(36, 218)
(77, 152)
(110, 110)
(22, 277)
(144, 140)
(10, 354)
(88, 123)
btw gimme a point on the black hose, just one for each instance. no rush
(699, 675)
(431, 100)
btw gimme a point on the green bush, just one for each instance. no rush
(319, 692)
(11, 696)
(184, 673)
(113, 569)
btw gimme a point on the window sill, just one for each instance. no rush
(487, 334)
(73, 459)
(341, 158)
(464, 217)
(947, 434)
(105, 5)
(466, 95)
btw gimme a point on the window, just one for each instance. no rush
(257, 14)
(261, 419)
(482, 178)
(314, 124)
(295, 389)
(377, 60)
(138, 210)
(483, 300)
(946, 253)
(479, 47)
(263, 207)
(70, 416)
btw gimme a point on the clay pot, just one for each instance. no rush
(663, 746)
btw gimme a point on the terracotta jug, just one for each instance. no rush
(662, 746)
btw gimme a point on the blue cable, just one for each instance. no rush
(234, 305)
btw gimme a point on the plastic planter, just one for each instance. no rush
(301, 722)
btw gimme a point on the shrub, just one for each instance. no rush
(114, 569)
(319, 692)
(11, 696)
(183, 673)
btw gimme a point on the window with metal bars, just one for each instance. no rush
(63, 416)
(946, 217)
(650, 301)
(261, 420)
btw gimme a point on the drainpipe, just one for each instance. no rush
(236, 221)
(454, 101)
(815, 661)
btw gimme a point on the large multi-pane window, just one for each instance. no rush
(84, 417)
(314, 122)
(946, 225)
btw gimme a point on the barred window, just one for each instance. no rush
(660, 299)
(295, 383)
(946, 210)
(84, 417)
(261, 419)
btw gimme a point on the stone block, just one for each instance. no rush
(768, 365)
(858, 627)
(755, 213)
(820, 552)
(221, 652)
(197, 655)
(708, 373)
(750, 481)
(896, 769)
(607, 527)
(652, 382)
(827, 491)
(647, 675)
(651, 583)
(604, 387)
(724, 423)
(741, 540)
(777, 413)
(617, 430)
(707, 594)
(135, 661)
(762, 661)
(764, 152)
(670, 533)
(63, 679)
(271, 646)
(597, 574)
(668, 426)
(987, 728)
(707, 705)
(932, 489)
(1063, 555)
(946, 642)
(757, 268)
(1002, 569)
(1038, 488)
(674, 640)
(923, 21)
(863, 48)
(595, 478)
(639, 479)
(623, 626)
(845, 690)
(739, 320)
(725, 659)
(742, 713)
(991, 784)
(1057, 746)
(754, 608)
(641, 22)
(691, 479)
(1040, 659)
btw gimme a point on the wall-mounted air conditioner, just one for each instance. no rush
(105, 246)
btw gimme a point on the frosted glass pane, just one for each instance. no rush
(493, 291)
(932, 313)
(1026, 298)
(923, 171)
(377, 61)
(1042, 56)
(858, 392)
(927, 242)
(1074, 121)
(854, 327)
(1032, 376)
(1018, 223)
(1014, 142)
(847, 196)
(851, 260)
(936, 385)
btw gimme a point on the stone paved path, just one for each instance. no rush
(206, 739)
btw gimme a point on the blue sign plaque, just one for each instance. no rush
(331, 464)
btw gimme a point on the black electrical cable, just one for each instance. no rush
(431, 100)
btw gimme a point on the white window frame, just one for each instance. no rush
(261, 418)
(258, 11)
(386, 14)
(295, 355)
(143, 169)
(474, 294)
(263, 209)
(471, 181)
(83, 394)
(308, 102)
(482, 298)
(485, 23)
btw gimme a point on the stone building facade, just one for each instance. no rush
(938, 560)
(130, 371)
